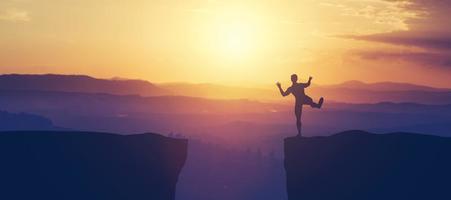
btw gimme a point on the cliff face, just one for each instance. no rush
(81, 165)
(361, 166)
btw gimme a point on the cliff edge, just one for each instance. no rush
(363, 166)
(85, 165)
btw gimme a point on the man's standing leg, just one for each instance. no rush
(298, 113)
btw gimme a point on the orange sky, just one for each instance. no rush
(242, 41)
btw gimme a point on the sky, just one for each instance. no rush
(230, 42)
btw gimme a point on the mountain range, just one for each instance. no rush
(78, 83)
(255, 121)
(24, 121)
(350, 91)
(386, 86)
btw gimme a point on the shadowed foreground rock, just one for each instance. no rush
(361, 166)
(81, 165)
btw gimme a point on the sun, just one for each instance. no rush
(236, 39)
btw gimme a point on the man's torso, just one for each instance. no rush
(298, 92)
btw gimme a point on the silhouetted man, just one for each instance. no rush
(297, 89)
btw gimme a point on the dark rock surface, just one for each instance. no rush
(86, 165)
(361, 166)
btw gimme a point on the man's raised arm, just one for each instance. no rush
(308, 82)
(283, 93)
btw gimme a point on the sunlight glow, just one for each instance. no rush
(229, 42)
(235, 39)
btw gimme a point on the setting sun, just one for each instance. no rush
(236, 39)
(234, 35)
(224, 41)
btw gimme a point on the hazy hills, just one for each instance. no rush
(208, 90)
(111, 105)
(193, 115)
(228, 119)
(78, 83)
(350, 92)
(86, 103)
(386, 86)
(374, 96)
(24, 121)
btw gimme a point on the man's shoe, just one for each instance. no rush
(320, 103)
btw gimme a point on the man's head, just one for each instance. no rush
(294, 78)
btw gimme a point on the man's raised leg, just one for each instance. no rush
(309, 101)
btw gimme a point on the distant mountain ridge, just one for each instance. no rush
(24, 121)
(350, 91)
(79, 83)
(386, 86)
(111, 104)
(134, 113)
(210, 90)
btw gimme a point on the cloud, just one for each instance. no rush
(425, 43)
(426, 59)
(425, 40)
(391, 13)
(14, 15)
(430, 28)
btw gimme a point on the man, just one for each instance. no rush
(297, 89)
